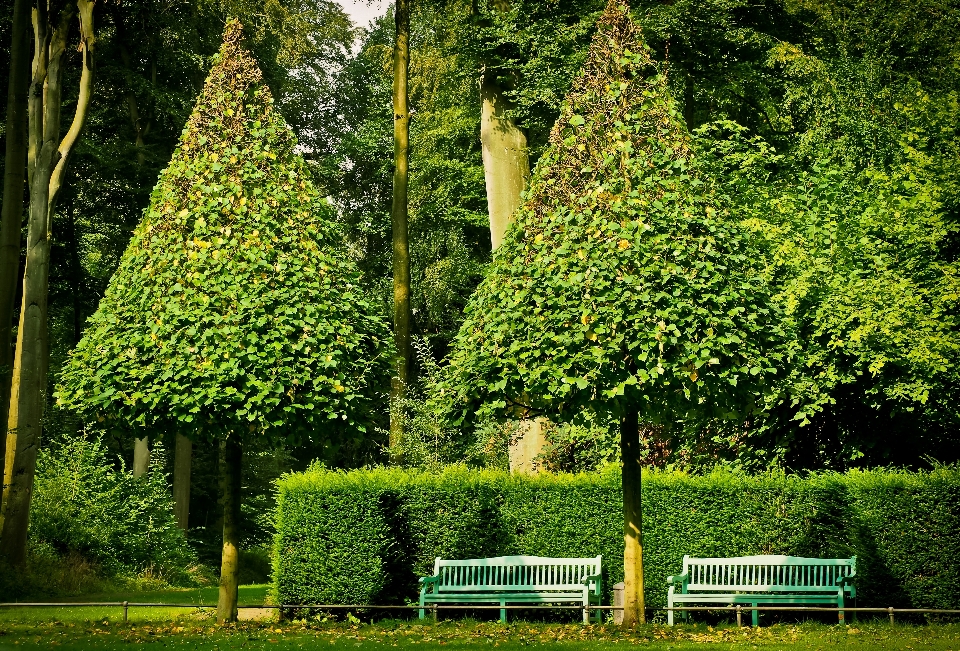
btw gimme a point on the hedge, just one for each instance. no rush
(364, 536)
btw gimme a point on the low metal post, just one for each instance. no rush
(125, 606)
(890, 610)
(739, 616)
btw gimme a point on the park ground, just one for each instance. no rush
(103, 628)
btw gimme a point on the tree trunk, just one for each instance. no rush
(506, 169)
(506, 166)
(230, 474)
(46, 166)
(181, 481)
(141, 456)
(14, 175)
(398, 212)
(634, 610)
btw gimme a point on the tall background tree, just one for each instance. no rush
(399, 217)
(47, 155)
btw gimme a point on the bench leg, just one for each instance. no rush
(670, 612)
(503, 611)
(756, 616)
(840, 606)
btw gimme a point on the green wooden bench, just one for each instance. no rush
(755, 580)
(513, 580)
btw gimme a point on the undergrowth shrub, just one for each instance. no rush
(365, 536)
(84, 507)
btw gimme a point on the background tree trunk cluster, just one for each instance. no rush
(46, 165)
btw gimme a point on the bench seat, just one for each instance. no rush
(767, 579)
(513, 580)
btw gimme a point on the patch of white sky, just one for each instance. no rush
(361, 12)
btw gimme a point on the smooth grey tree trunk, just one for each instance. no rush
(141, 456)
(506, 170)
(506, 164)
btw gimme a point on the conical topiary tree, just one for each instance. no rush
(622, 287)
(233, 314)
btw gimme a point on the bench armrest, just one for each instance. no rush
(679, 578)
(846, 582)
(426, 581)
(596, 579)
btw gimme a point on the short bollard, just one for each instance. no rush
(739, 615)
(890, 610)
(125, 606)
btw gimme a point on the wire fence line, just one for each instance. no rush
(739, 609)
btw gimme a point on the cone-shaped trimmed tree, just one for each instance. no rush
(622, 287)
(233, 315)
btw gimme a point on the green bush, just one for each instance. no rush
(365, 536)
(86, 508)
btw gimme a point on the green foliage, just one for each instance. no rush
(83, 506)
(325, 532)
(368, 534)
(232, 309)
(621, 285)
(864, 263)
(534, 48)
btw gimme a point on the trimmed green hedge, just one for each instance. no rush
(365, 536)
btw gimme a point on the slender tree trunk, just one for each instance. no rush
(634, 610)
(14, 175)
(141, 456)
(230, 474)
(181, 481)
(506, 164)
(47, 157)
(401, 249)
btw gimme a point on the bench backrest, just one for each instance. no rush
(506, 573)
(767, 573)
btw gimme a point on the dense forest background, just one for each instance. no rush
(834, 125)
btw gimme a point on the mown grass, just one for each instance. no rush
(249, 594)
(179, 628)
(198, 631)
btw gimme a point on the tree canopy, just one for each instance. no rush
(233, 308)
(623, 284)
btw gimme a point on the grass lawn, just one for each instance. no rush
(198, 631)
(249, 594)
(179, 628)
